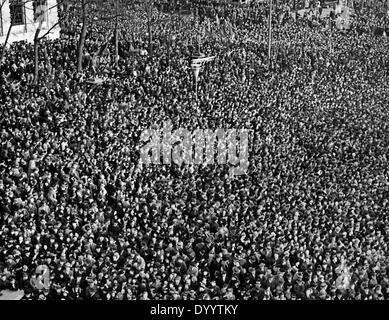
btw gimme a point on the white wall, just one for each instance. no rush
(27, 30)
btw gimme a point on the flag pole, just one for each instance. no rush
(196, 89)
(116, 33)
(269, 31)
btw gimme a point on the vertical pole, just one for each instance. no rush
(117, 34)
(196, 89)
(269, 30)
(149, 28)
(81, 43)
(36, 50)
(197, 28)
(1, 18)
(5, 43)
(25, 18)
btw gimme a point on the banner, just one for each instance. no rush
(343, 22)
(196, 67)
(11, 295)
(41, 279)
(203, 60)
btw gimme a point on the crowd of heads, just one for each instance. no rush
(309, 220)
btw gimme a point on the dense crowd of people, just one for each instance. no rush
(308, 221)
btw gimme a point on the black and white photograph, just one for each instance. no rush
(213, 151)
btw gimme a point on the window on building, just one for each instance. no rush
(40, 9)
(16, 8)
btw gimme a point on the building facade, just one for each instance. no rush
(21, 19)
